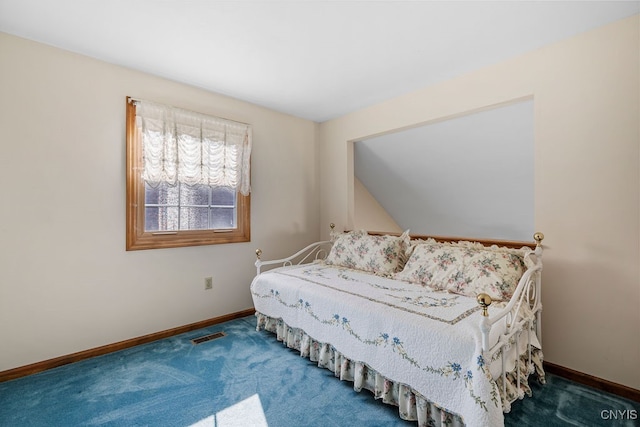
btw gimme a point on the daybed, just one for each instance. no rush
(407, 318)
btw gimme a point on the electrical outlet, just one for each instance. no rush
(208, 283)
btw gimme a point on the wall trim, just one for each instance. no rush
(591, 381)
(34, 368)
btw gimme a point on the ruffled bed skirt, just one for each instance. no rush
(411, 405)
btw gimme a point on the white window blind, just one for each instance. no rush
(181, 146)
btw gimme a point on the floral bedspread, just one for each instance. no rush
(429, 341)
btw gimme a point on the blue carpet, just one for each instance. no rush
(246, 378)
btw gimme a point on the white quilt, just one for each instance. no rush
(429, 341)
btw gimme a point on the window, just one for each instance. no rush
(187, 178)
(185, 207)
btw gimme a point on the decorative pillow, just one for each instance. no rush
(432, 264)
(465, 268)
(491, 272)
(379, 255)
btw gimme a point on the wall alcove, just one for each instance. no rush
(471, 175)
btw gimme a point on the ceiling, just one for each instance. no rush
(313, 59)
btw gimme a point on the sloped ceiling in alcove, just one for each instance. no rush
(469, 176)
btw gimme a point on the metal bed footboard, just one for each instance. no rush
(522, 315)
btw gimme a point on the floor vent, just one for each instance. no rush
(208, 337)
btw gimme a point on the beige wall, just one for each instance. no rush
(370, 214)
(66, 282)
(587, 184)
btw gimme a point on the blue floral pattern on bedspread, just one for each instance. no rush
(451, 369)
(405, 296)
(424, 339)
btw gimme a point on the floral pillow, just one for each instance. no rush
(433, 265)
(465, 269)
(495, 273)
(380, 255)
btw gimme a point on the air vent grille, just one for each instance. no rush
(209, 337)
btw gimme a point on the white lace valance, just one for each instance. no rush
(192, 148)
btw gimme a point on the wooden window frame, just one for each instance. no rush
(137, 237)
